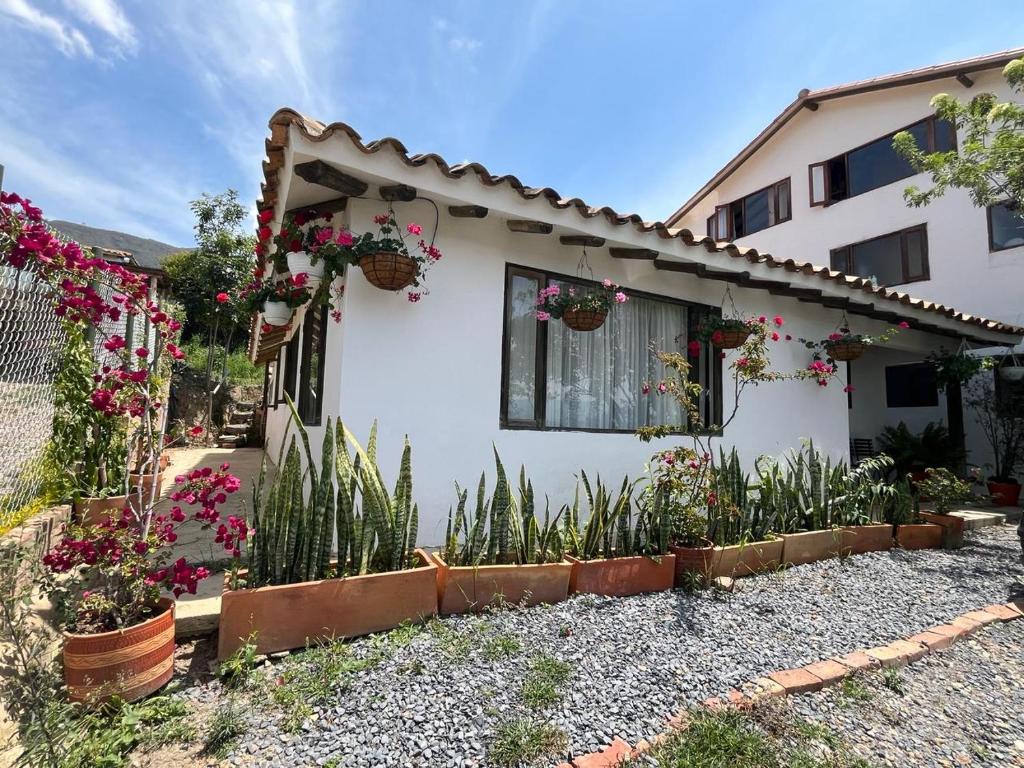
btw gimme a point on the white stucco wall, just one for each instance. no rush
(964, 273)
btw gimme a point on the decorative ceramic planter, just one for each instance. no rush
(91, 510)
(728, 338)
(858, 539)
(919, 536)
(952, 528)
(746, 559)
(466, 588)
(811, 546)
(129, 663)
(622, 576)
(301, 262)
(276, 312)
(1004, 494)
(388, 270)
(692, 560)
(583, 319)
(845, 350)
(291, 616)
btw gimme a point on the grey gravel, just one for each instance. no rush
(961, 707)
(635, 660)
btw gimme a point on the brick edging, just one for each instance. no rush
(814, 677)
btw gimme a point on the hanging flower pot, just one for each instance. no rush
(301, 262)
(584, 319)
(276, 312)
(730, 338)
(725, 332)
(1012, 373)
(389, 270)
(845, 350)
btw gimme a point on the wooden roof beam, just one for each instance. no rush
(320, 173)
(584, 240)
(529, 226)
(632, 253)
(467, 211)
(398, 193)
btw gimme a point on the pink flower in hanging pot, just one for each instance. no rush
(344, 238)
(775, 335)
(266, 215)
(762, 319)
(778, 320)
(324, 235)
(543, 316)
(621, 298)
(645, 389)
(607, 283)
(413, 229)
(381, 219)
(904, 324)
(662, 389)
(142, 352)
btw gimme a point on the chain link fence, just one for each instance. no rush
(31, 338)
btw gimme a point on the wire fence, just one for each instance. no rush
(31, 337)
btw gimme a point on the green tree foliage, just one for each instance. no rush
(222, 262)
(990, 160)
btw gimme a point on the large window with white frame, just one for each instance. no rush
(554, 378)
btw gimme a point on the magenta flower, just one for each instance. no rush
(414, 229)
(621, 298)
(543, 316)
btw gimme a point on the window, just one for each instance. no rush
(760, 210)
(911, 386)
(311, 374)
(555, 378)
(291, 367)
(875, 164)
(1005, 227)
(899, 257)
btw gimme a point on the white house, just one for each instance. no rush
(469, 366)
(822, 184)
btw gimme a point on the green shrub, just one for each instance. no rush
(240, 370)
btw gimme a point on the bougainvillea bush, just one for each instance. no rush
(121, 557)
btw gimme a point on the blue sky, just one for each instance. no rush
(115, 113)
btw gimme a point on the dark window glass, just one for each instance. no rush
(945, 136)
(783, 201)
(899, 257)
(1006, 227)
(879, 163)
(837, 189)
(291, 366)
(755, 211)
(911, 386)
(916, 248)
(841, 259)
(311, 374)
(760, 210)
(711, 227)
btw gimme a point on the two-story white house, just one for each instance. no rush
(823, 184)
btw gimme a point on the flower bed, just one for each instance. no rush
(622, 576)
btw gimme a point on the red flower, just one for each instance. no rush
(646, 389)
(142, 352)
(904, 324)
(196, 431)
(775, 335)
(266, 215)
(778, 320)
(223, 298)
(263, 233)
(762, 319)
(693, 348)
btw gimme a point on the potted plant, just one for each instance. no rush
(957, 367)
(844, 345)
(277, 301)
(580, 308)
(725, 332)
(943, 489)
(1002, 423)
(617, 553)
(385, 259)
(329, 538)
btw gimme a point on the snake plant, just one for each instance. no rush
(611, 528)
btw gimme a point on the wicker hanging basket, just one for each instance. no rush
(388, 270)
(584, 319)
(729, 338)
(845, 350)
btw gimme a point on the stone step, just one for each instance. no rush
(240, 418)
(235, 429)
(231, 441)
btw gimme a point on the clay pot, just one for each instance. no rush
(747, 559)
(128, 663)
(90, 510)
(464, 589)
(1004, 494)
(858, 539)
(729, 338)
(952, 528)
(811, 546)
(291, 616)
(388, 270)
(845, 350)
(919, 536)
(621, 576)
(583, 319)
(145, 482)
(690, 560)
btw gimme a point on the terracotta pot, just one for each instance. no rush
(1004, 494)
(464, 589)
(293, 615)
(690, 560)
(746, 559)
(129, 663)
(388, 270)
(583, 319)
(729, 338)
(145, 482)
(952, 528)
(858, 539)
(621, 576)
(811, 546)
(845, 350)
(919, 536)
(90, 510)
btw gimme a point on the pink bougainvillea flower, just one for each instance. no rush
(778, 320)
(175, 351)
(196, 431)
(848, 388)
(413, 229)
(607, 283)
(762, 319)
(741, 362)
(414, 296)
(693, 348)
(646, 389)
(775, 335)
(662, 388)
(142, 352)
(223, 298)
(621, 298)
(543, 316)
(904, 324)
(835, 336)
(114, 343)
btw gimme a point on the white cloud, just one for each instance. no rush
(467, 44)
(106, 15)
(69, 40)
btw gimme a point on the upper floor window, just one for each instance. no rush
(892, 259)
(875, 164)
(1005, 227)
(759, 210)
(558, 379)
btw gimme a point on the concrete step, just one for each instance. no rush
(235, 429)
(979, 518)
(231, 441)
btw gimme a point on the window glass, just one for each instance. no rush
(911, 386)
(522, 347)
(783, 201)
(1007, 227)
(880, 259)
(755, 208)
(311, 373)
(945, 136)
(915, 243)
(840, 259)
(879, 163)
(818, 183)
(837, 189)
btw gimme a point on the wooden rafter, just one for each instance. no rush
(529, 226)
(467, 211)
(320, 173)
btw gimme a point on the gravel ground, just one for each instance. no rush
(961, 707)
(635, 661)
